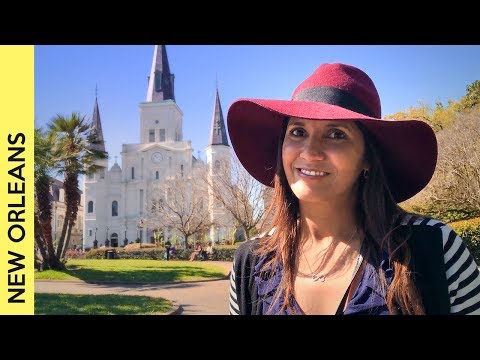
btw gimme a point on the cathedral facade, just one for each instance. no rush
(116, 200)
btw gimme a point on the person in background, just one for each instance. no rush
(196, 252)
(168, 244)
(172, 251)
(210, 249)
(338, 242)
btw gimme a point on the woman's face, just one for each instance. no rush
(323, 159)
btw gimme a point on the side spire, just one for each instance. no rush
(160, 81)
(97, 125)
(218, 136)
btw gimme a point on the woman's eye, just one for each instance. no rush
(297, 132)
(337, 134)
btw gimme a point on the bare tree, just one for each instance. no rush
(455, 186)
(180, 203)
(232, 188)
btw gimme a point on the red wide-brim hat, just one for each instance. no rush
(407, 148)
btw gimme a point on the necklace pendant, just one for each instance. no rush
(318, 277)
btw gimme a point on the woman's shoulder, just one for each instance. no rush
(429, 232)
(248, 254)
(423, 225)
(410, 219)
(247, 249)
(443, 258)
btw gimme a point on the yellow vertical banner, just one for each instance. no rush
(16, 180)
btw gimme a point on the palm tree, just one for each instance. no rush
(43, 167)
(76, 155)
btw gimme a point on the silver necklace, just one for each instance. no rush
(317, 275)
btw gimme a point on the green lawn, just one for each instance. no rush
(135, 271)
(120, 271)
(65, 304)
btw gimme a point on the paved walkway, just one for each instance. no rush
(208, 297)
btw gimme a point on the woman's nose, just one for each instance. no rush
(313, 149)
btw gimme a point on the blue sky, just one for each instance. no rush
(66, 77)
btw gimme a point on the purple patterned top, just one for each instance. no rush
(366, 300)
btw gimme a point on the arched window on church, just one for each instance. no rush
(114, 208)
(157, 175)
(181, 170)
(217, 164)
(133, 172)
(90, 207)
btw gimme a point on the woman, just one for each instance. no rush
(196, 252)
(338, 243)
(210, 249)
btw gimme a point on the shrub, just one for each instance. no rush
(74, 254)
(136, 246)
(469, 231)
(234, 246)
(438, 212)
(100, 253)
(454, 190)
(222, 253)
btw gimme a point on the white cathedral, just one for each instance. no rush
(116, 199)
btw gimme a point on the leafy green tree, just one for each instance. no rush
(438, 118)
(472, 98)
(44, 164)
(75, 154)
(444, 116)
(422, 112)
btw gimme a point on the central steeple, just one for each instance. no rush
(160, 81)
(97, 127)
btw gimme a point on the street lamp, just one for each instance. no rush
(95, 242)
(139, 227)
(138, 237)
(107, 242)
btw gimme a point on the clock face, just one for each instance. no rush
(157, 157)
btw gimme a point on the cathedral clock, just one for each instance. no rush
(157, 157)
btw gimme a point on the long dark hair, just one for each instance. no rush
(377, 212)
